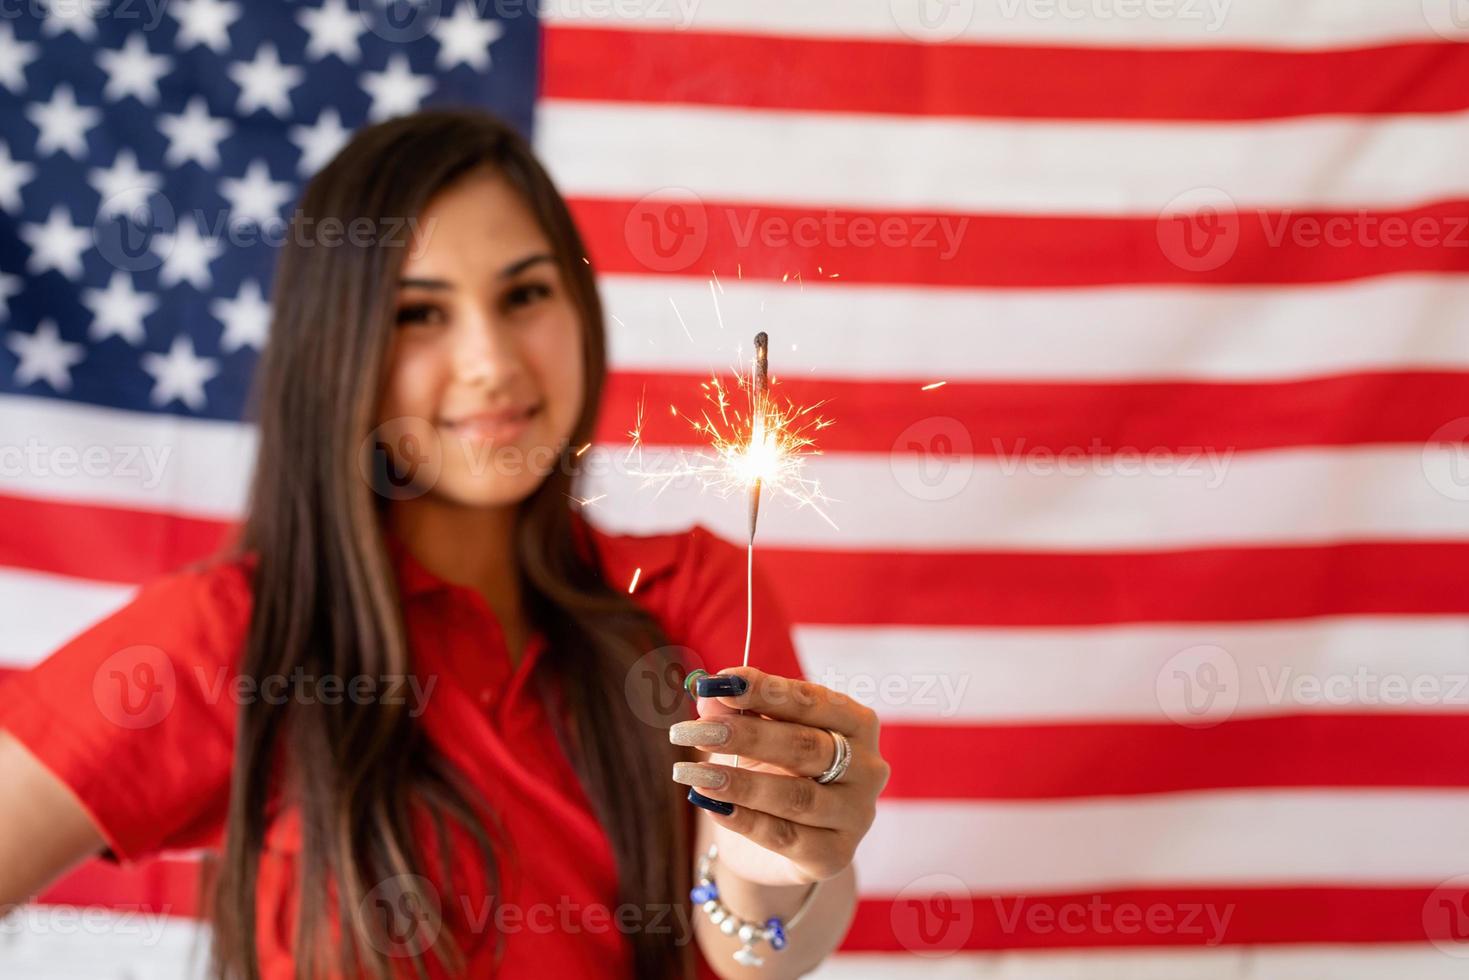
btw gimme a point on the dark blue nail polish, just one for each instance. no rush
(716, 806)
(721, 686)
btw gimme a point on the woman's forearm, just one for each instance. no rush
(811, 941)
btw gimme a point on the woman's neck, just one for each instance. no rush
(470, 546)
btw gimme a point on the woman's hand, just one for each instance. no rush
(786, 828)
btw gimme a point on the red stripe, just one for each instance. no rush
(107, 544)
(940, 249)
(927, 921)
(874, 416)
(1223, 584)
(1148, 917)
(850, 75)
(938, 588)
(1054, 761)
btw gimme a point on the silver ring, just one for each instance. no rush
(840, 763)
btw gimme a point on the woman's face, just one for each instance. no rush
(484, 371)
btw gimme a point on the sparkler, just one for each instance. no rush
(763, 448)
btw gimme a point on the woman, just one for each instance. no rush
(414, 711)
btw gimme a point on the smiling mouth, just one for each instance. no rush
(494, 426)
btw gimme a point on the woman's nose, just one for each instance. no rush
(483, 353)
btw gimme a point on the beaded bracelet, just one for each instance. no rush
(705, 894)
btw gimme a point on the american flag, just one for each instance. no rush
(1144, 326)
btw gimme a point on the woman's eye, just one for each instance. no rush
(418, 313)
(527, 293)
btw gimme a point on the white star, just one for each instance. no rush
(255, 198)
(58, 244)
(246, 318)
(77, 16)
(465, 39)
(264, 82)
(180, 374)
(195, 135)
(186, 256)
(205, 22)
(118, 310)
(122, 186)
(396, 91)
(63, 123)
(334, 30)
(319, 142)
(44, 356)
(14, 174)
(133, 71)
(9, 286)
(14, 57)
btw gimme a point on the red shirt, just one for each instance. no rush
(137, 716)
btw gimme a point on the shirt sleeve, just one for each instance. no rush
(136, 714)
(712, 610)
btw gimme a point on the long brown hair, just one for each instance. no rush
(326, 600)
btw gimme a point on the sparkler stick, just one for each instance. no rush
(759, 398)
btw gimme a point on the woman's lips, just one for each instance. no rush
(494, 426)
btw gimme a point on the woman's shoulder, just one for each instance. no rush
(191, 615)
(670, 569)
(663, 554)
(210, 599)
(693, 581)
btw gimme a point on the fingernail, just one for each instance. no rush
(721, 686)
(692, 679)
(694, 774)
(714, 806)
(699, 733)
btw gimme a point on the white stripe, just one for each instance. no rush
(1140, 499)
(1092, 23)
(889, 333)
(1303, 962)
(1124, 497)
(41, 612)
(82, 454)
(815, 160)
(1195, 840)
(60, 942)
(948, 676)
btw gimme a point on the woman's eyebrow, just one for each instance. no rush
(514, 268)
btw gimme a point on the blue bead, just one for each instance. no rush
(703, 893)
(777, 933)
